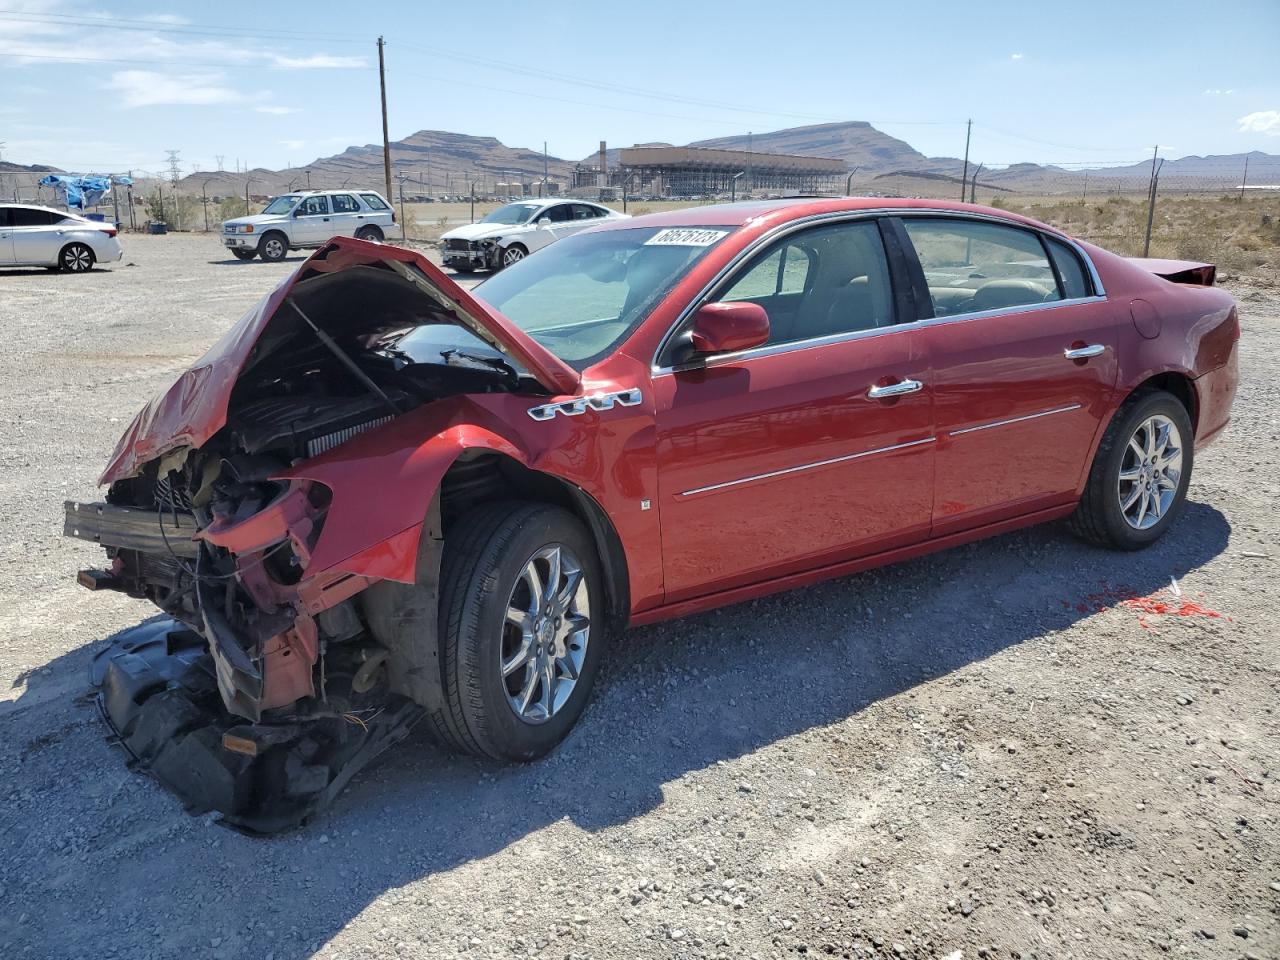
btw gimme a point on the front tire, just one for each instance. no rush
(244, 254)
(1139, 478)
(512, 254)
(521, 629)
(273, 247)
(76, 258)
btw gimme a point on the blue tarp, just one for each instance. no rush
(82, 191)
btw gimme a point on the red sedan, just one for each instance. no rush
(379, 488)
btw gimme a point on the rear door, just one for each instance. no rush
(6, 237)
(35, 235)
(1021, 357)
(792, 456)
(345, 214)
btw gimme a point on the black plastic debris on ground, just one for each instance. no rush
(157, 691)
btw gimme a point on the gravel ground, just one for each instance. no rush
(985, 753)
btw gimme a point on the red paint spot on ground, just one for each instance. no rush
(1164, 603)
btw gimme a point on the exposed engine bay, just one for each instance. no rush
(257, 656)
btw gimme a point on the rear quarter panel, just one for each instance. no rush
(1177, 328)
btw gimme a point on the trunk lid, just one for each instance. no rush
(1189, 272)
(194, 408)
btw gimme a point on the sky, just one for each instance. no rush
(110, 87)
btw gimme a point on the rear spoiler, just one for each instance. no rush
(1179, 271)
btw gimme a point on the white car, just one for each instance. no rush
(298, 221)
(32, 236)
(514, 231)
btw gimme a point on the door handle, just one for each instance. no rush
(1083, 353)
(894, 389)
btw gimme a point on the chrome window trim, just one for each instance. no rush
(793, 226)
(709, 488)
(1004, 423)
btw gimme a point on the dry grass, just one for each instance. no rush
(1241, 237)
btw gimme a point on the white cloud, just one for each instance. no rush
(1261, 121)
(1217, 92)
(292, 144)
(318, 61)
(277, 111)
(146, 88)
(1015, 56)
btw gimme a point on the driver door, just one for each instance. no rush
(793, 455)
(312, 223)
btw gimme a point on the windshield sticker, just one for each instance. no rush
(685, 237)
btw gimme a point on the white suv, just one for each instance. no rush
(303, 220)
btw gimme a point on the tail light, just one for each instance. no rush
(111, 231)
(393, 217)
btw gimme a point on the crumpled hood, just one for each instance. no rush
(194, 408)
(480, 231)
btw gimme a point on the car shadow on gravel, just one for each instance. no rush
(674, 699)
(237, 262)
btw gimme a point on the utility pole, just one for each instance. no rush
(1084, 192)
(386, 140)
(1151, 199)
(973, 185)
(1245, 179)
(220, 157)
(544, 169)
(174, 175)
(965, 176)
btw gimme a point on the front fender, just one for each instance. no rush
(382, 483)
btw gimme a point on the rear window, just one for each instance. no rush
(374, 201)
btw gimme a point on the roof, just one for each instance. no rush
(792, 208)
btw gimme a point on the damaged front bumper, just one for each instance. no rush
(158, 690)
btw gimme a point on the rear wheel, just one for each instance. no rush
(521, 628)
(1140, 475)
(244, 254)
(273, 247)
(372, 234)
(76, 258)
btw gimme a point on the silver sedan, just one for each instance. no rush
(32, 236)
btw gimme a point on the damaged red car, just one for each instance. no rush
(381, 499)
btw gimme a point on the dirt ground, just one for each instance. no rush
(1020, 748)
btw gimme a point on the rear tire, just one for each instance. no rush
(1140, 474)
(273, 247)
(76, 258)
(371, 234)
(499, 636)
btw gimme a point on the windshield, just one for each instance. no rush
(281, 204)
(512, 213)
(581, 296)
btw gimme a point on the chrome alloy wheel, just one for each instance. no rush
(512, 255)
(1150, 472)
(274, 248)
(545, 634)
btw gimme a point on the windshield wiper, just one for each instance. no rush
(460, 358)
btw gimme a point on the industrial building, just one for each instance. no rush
(699, 172)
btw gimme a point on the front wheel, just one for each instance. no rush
(513, 254)
(273, 247)
(243, 254)
(1139, 478)
(521, 628)
(76, 258)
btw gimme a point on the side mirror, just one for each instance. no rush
(723, 327)
(543, 222)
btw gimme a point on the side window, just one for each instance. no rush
(1070, 269)
(344, 203)
(972, 266)
(560, 213)
(373, 201)
(821, 282)
(24, 217)
(583, 211)
(4, 217)
(314, 207)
